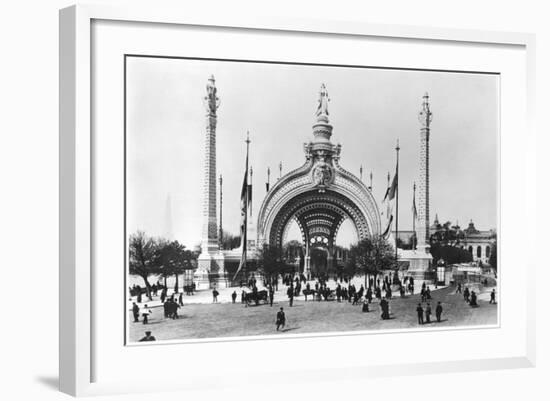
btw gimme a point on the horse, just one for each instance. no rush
(307, 292)
(256, 297)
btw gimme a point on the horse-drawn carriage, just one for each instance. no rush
(189, 289)
(255, 297)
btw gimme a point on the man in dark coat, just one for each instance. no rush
(166, 307)
(385, 306)
(493, 297)
(420, 314)
(438, 311)
(290, 293)
(466, 294)
(215, 294)
(473, 299)
(271, 296)
(135, 311)
(234, 296)
(180, 299)
(281, 319)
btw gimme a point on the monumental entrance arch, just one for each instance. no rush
(319, 196)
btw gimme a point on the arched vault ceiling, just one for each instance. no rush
(318, 212)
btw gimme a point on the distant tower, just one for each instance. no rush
(425, 118)
(210, 262)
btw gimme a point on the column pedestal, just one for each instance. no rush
(201, 277)
(419, 264)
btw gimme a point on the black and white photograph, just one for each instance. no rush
(279, 199)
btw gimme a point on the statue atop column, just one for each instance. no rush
(211, 100)
(425, 115)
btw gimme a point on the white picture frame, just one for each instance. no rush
(79, 345)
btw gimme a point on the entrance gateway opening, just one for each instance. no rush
(319, 196)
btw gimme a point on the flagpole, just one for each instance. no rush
(414, 217)
(245, 245)
(397, 201)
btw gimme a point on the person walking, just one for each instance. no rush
(420, 314)
(281, 319)
(290, 294)
(148, 337)
(428, 313)
(234, 296)
(473, 299)
(385, 307)
(438, 311)
(135, 311)
(271, 296)
(145, 313)
(180, 299)
(215, 294)
(493, 297)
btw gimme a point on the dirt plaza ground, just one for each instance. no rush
(215, 320)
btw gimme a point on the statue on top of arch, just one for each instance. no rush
(322, 107)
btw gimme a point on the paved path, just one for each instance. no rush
(232, 320)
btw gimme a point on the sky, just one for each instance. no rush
(369, 109)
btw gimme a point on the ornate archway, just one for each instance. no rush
(319, 196)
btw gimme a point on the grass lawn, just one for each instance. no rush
(230, 320)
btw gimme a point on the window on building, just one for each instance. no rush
(478, 252)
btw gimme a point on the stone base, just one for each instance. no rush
(419, 264)
(201, 280)
(210, 272)
(220, 281)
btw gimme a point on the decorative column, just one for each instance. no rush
(211, 262)
(420, 263)
(425, 118)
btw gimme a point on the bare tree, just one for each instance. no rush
(142, 252)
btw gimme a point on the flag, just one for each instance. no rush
(387, 231)
(415, 214)
(249, 198)
(267, 187)
(392, 189)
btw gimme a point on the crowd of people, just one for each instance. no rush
(375, 291)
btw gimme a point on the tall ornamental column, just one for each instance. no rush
(210, 262)
(425, 118)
